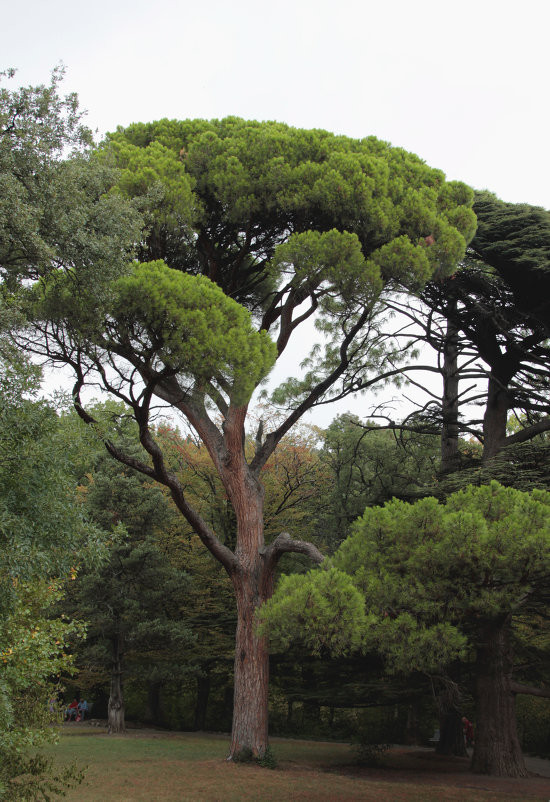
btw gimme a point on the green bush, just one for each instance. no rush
(533, 716)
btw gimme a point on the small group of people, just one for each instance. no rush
(77, 710)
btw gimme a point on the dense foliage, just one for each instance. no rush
(42, 538)
(434, 580)
(174, 265)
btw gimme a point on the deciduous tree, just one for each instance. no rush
(42, 537)
(54, 210)
(133, 601)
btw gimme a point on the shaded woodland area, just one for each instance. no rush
(169, 267)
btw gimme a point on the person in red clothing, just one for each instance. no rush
(468, 729)
(72, 711)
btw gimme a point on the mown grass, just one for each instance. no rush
(151, 767)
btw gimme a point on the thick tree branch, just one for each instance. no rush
(159, 473)
(529, 690)
(284, 544)
(274, 437)
(529, 432)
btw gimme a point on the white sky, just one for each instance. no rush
(464, 85)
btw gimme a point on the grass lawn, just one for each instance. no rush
(165, 767)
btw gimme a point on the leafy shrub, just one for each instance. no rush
(367, 753)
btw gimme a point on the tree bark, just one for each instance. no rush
(250, 702)
(115, 708)
(152, 711)
(495, 417)
(201, 705)
(530, 690)
(451, 734)
(450, 456)
(252, 578)
(497, 749)
(412, 727)
(290, 714)
(311, 709)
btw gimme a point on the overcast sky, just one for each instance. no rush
(464, 85)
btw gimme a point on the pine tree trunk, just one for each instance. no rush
(290, 714)
(311, 709)
(495, 418)
(497, 749)
(450, 456)
(152, 711)
(250, 702)
(115, 708)
(251, 568)
(253, 584)
(201, 705)
(451, 734)
(412, 727)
